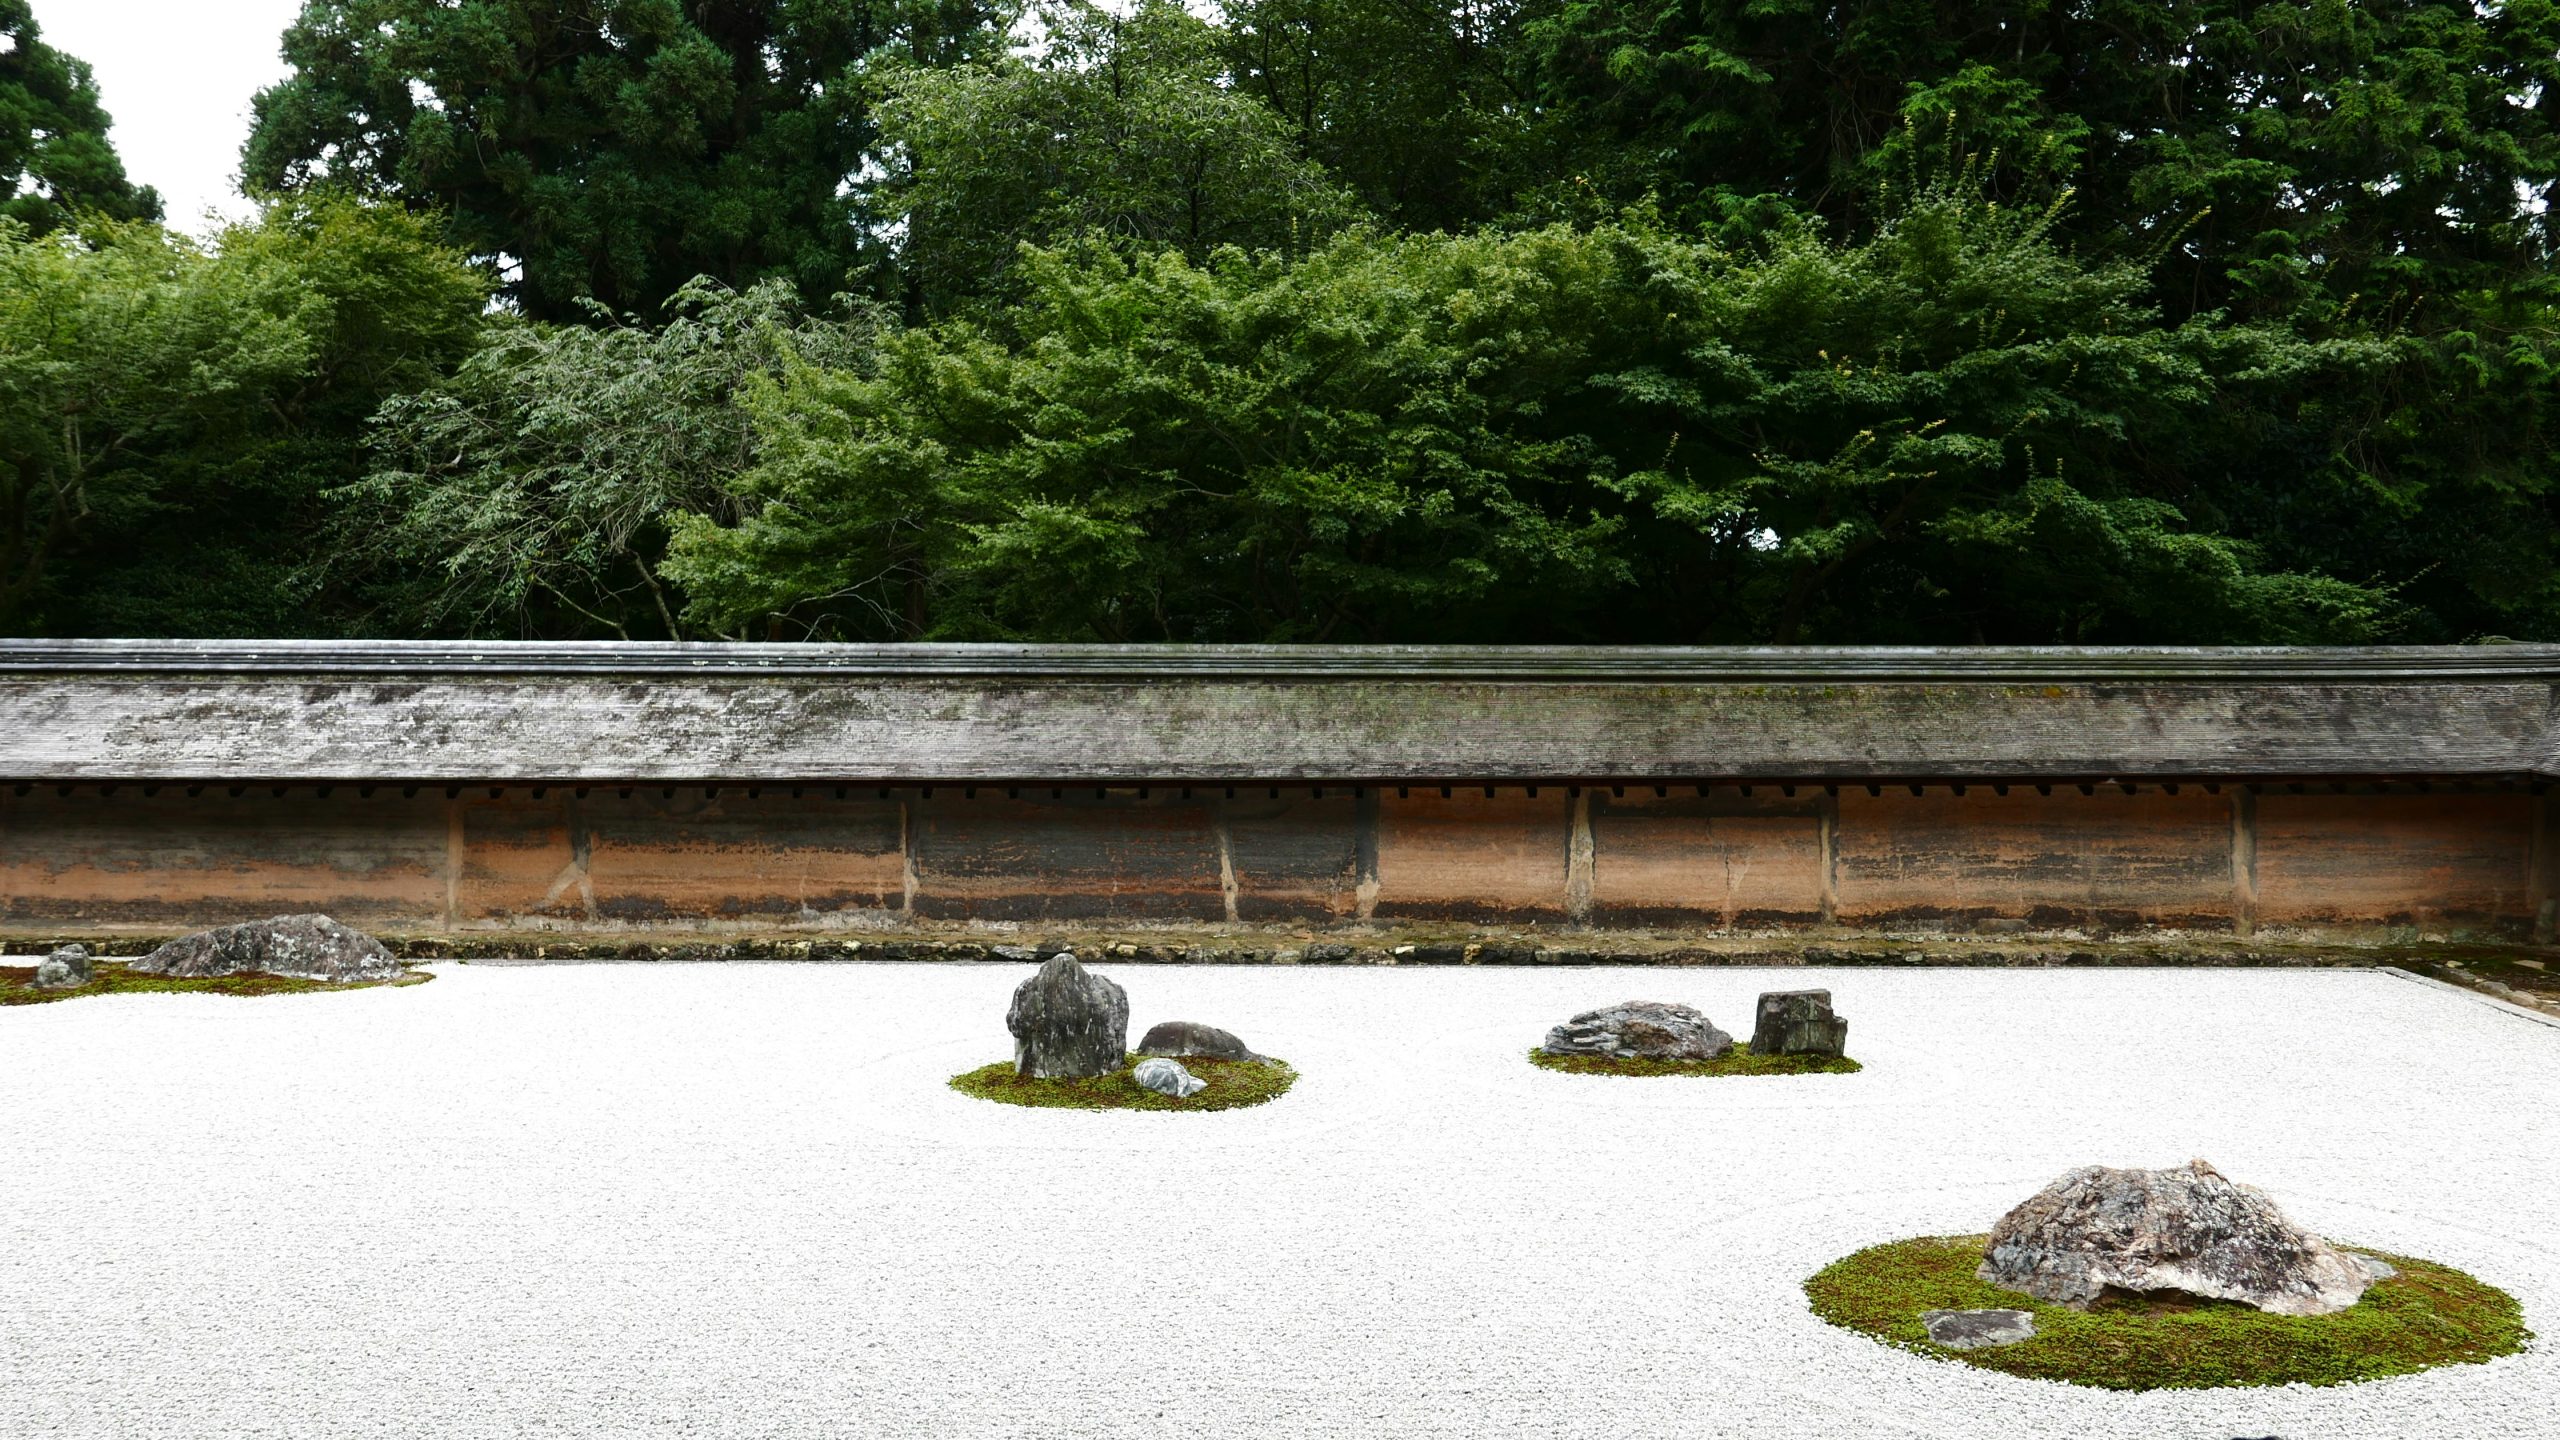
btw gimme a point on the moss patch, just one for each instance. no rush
(1737, 1061)
(17, 984)
(2428, 1315)
(1233, 1084)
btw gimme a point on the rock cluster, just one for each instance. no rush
(2185, 1230)
(306, 947)
(1640, 1030)
(1067, 1022)
(64, 969)
(1189, 1037)
(1798, 1022)
(1167, 1077)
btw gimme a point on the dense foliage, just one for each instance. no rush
(1576, 320)
(1952, 431)
(530, 492)
(1121, 127)
(173, 413)
(54, 157)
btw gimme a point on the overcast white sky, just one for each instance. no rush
(177, 76)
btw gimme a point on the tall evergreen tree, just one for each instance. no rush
(1423, 110)
(612, 150)
(55, 159)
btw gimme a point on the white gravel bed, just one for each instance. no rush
(739, 1200)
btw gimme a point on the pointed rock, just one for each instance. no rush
(1067, 1022)
(2185, 1230)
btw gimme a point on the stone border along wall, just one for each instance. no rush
(1510, 951)
(1261, 800)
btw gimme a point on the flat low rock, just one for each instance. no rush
(65, 969)
(1189, 1037)
(1067, 1022)
(1798, 1022)
(1978, 1329)
(302, 947)
(2184, 1230)
(1640, 1030)
(1167, 1077)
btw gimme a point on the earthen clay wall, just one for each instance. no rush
(2222, 858)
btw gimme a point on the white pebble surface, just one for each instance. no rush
(740, 1200)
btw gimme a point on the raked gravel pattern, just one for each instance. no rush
(707, 1200)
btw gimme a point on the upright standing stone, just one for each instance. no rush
(1798, 1022)
(1067, 1022)
(64, 969)
(2185, 1230)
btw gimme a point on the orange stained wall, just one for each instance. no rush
(1670, 858)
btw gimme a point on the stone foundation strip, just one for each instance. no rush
(1268, 950)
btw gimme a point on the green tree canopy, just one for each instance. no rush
(171, 412)
(1122, 126)
(1952, 431)
(55, 160)
(611, 151)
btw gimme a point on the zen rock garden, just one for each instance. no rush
(1795, 1032)
(281, 955)
(1071, 1050)
(2165, 1279)
(2120, 1279)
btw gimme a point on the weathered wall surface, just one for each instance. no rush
(2113, 858)
(442, 788)
(97, 711)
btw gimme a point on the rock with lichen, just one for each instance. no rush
(2185, 1230)
(1640, 1030)
(65, 969)
(1798, 1022)
(302, 947)
(1067, 1022)
(1167, 1077)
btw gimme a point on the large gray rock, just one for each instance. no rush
(305, 947)
(64, 969)
(1640, 1030)
(1798, 1022)
(1067, 1022)
(1167, 1077)
(2186, 1230)
(1978, 1329)
(1189, 1037)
